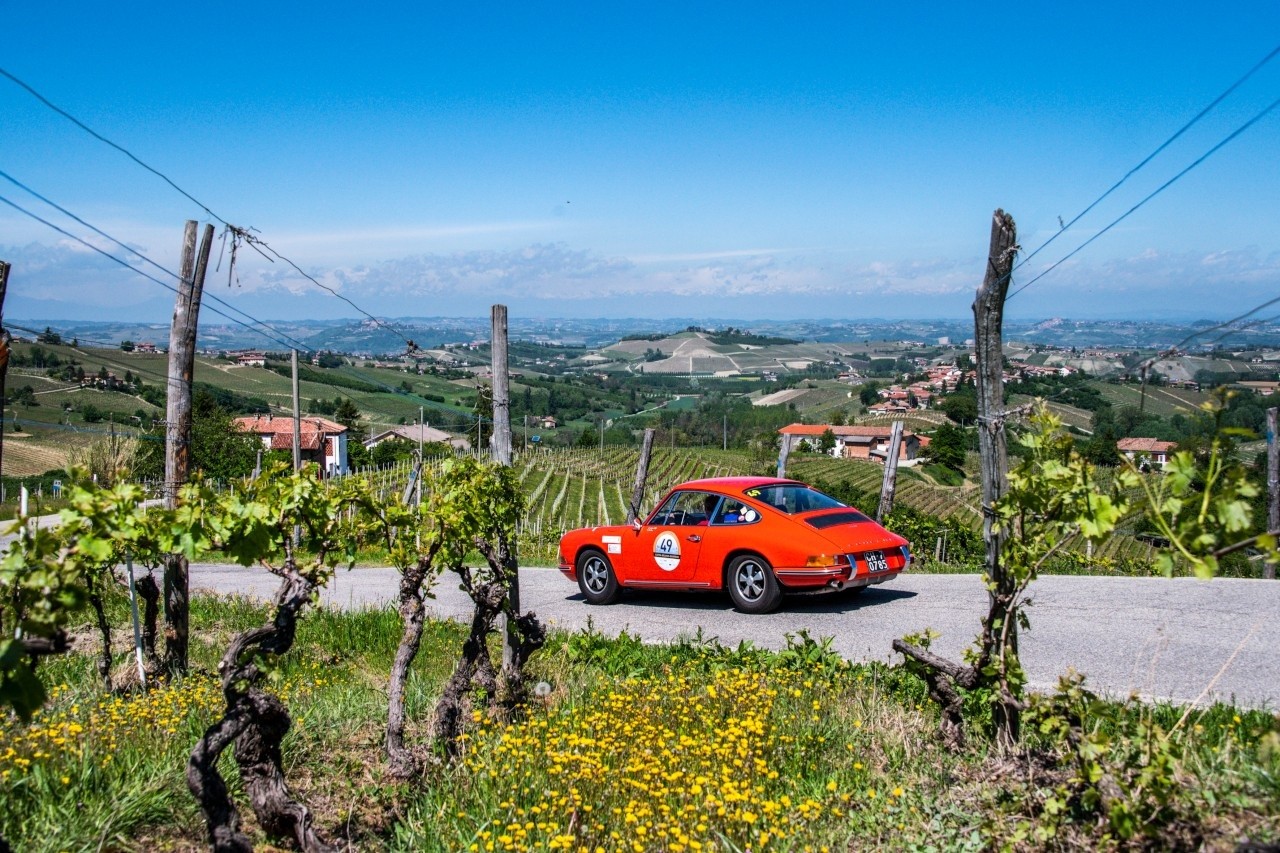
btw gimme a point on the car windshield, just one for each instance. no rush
(792, 498)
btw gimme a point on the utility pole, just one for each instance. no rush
(889, 484)
(4, 356)
(177, 445)
(422, 427)
(783, 452)
(724, 432)
(602, 434)
(642, 476)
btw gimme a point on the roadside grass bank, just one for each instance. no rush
(690, 746)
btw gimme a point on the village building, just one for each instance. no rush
(251, 358)
(145, 346)
(416, 433)
(1151, 450)
(856, 442)
(322, 441)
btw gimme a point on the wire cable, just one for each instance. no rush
(163, 269)
(1127, 175)
(1205, 156)
(239, 233)
(125, 264)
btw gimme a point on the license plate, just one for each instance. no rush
(876, 561)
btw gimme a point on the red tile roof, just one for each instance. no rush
(270, 425)
(1145, 445)
(847, 431)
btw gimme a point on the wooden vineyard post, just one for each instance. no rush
(889, 483)
(995, 665)
(500, 444)
(501, 387)
(642, 476)
(1273, 482)
(177, 445)
(4, 357)
(988, 315)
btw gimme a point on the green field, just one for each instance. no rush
(1159, 401)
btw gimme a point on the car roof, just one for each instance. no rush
(735, 483)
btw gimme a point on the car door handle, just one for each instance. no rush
(693, 537)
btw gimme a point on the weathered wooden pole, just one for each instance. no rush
(783, 452)
(500, 447)
(177, 444)
(1273, 484)
(988, 316)
(642, 476)
(297, 414)
(890, 482)
(501, 438)
(4, 354)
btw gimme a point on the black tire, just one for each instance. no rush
(596, 579)
(752, 586)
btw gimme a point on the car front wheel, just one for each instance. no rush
(596, 579)
(752, 586)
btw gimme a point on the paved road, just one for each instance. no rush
(1162, 639)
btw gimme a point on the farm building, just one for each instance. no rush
(856, 442)
(1153, 450)
(323, 441)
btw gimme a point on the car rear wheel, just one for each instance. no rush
(752, 586)
(596, 579)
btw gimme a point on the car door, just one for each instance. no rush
(670, 544)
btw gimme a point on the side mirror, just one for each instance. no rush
(636, 525)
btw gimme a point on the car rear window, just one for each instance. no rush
(831, 519)
(792, 498)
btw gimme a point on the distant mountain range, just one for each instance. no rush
(387, 336)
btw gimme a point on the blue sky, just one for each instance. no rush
(740, 161)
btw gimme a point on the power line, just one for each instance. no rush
(238, 233)
(163, 269)
(127, 265)
(126, 152)
(1205, 156)
(1207, 109)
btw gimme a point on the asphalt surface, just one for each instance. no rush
(1179, 640)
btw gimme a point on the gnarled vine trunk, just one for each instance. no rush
(256, 723)
(104, 630)
(475, 667)
(149, 591)
(402, 761)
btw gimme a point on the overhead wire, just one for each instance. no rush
(271, 331)
(1161, 147)
(1205, 156)
(4, 199)
(238, 233)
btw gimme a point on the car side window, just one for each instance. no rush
(666, 513)
(686, 509)
(734, 512)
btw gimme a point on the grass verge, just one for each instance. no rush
(689, 746)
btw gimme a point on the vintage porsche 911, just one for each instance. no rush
(757, 537)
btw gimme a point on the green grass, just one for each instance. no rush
(1159, 400)
(705, 743)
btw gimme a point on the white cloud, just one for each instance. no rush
(557, 276)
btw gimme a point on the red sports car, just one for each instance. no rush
(759, 537)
